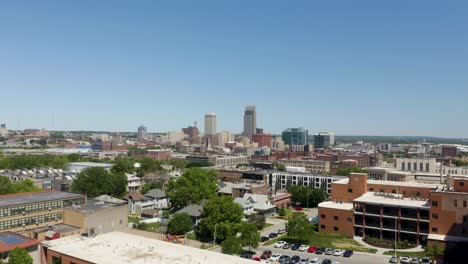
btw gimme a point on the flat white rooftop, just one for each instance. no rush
(391, 199)
(339, 206)
(120, 248)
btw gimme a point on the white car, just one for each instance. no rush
(264, 261)
(315, 261)
(405, 260)
(303, 248)
(338, 252)
(280, 244)
(275, 257)
(281, 231)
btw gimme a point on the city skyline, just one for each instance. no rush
(361, 68)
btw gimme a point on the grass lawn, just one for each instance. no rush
(153, 227)
(327, 241)
(133, 219)
(409, 254)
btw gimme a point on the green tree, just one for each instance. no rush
(123, 164)
(231, 245)
(19, 256)
(307, 196)
(97, 181)
(193, 186)
(348, 170)
(180, 224)
(151, 185)
(74, 157)
(25, 186)
(299, 227)
(148, 165)
(222, 214)
(249, 235)
(280, 167)
(178, 164)
(5, 185)
(258, 220)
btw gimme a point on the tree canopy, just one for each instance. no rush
(7, 187)
(348, 170)
(193, 186)
(180, 224)
(307, 196)
(223, 214)
(249, 236)
(148, 165)
(299, 226)
(97, 181)
(231, 246)
(33, 161)
(19, 256)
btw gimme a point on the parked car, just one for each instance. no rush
(315, 261)
(348, 253)
(295, 247)
(246, 255)
(275, 257)
(266, 254)
(304, 261)
(284, 258)
(280, 244)
(256, 259)
(326, 261)
(281, 231)
(328, 251)
(338, 252)
(295, 260)
(394, 259)
(272, 235)
(312, 249)
(286, 246)
(264, 239)
(405, 260)
(300, 209)
(320, 251)
(426, 260)
(265, 261)
(303, 247)
(414, 260)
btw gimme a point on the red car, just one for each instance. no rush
(300, 209)
(256, 259)
(312, 249)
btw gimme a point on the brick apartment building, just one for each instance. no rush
(263, 140)
(362, 160)
(416, 212)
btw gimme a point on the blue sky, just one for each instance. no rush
(354, 67)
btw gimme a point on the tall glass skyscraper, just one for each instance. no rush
(295, 136)
(250, 121)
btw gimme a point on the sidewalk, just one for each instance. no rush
(381, 251)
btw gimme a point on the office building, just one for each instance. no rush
(423, 214)
(295, 136)
(427, 165)
(281, 180)
(324, 140)
(250, 121)
(3, 130)
(141, 135)
(263, 140)
(210, 124)
(191, 131)
(24, 211)
(310, 165)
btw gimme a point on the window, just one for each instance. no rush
(393, 191)
(382, 190)
(455, 203)
(435, 203)
(418, 194)
(335, 228)
(323, 216)
(350, 190)
(464, 203)
(434, 230)
(322, 226)
(427, 166)
(56, 260)
(350, 220)
(435, 216)
(371, 189)
(336, 218)
(421, 166)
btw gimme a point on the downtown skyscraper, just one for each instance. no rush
(250, 121)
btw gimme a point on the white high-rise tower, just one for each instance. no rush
(210, 124)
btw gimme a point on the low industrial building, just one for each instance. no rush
(123, 248)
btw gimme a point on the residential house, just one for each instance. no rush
(195, 211)
(153, 199)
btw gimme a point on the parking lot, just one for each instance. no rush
(355, 259)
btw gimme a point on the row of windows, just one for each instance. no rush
(9, 224)
(335, 228)
(455, 203)
(337, 218)
(38, 207)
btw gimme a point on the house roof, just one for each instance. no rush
(156, 193)
(109, 199)
(135, 196)
(259, 201)
(193, 210)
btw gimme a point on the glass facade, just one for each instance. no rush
(295, 136)
(38, 219)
